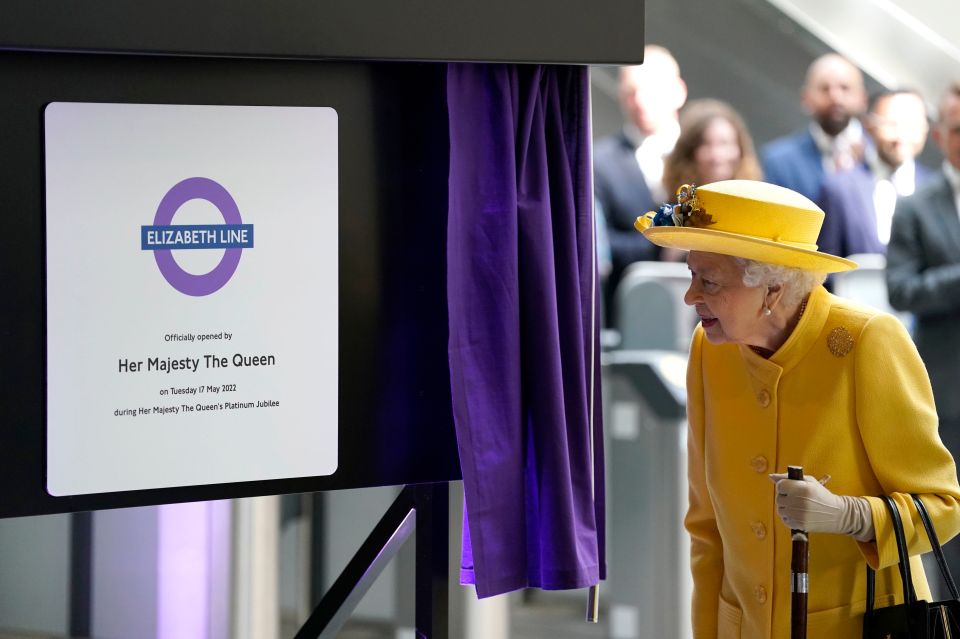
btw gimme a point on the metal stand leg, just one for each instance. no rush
(424, 507)
(81, 580)
(433, 575)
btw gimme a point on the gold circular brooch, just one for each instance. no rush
(840, 341)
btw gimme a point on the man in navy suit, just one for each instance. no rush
(628, 167)
(859, 202)
(923, 276)
(834, 97)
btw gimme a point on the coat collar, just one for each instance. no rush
(766, 372)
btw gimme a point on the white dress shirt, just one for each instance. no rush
(889, 184)
(651, 152)
(841, 151)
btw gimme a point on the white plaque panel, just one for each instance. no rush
(192, 295)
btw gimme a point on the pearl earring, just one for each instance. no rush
(767, 311)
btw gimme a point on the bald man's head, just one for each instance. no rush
(652, 93)
(833, 92)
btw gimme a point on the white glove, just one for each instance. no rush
(808, 505)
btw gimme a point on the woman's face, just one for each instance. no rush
(718, 155)
(729, 310)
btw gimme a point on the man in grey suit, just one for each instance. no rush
(923, 276)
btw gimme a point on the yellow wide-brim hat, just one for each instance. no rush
(744, 218)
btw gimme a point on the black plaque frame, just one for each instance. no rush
(395, 417)
(543, 31)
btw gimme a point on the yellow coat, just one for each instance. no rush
(846, 395)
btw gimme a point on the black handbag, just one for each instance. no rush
(913, 619)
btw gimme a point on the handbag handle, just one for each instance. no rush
(909, 594)
(935, 546)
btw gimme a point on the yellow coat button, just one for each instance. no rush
(763, 398)
(758, 529)
(759, 464)
(760, 593)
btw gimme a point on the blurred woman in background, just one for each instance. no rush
(714, 145)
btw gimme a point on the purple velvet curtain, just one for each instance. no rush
(524, 354)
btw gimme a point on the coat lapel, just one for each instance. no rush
(944, 208)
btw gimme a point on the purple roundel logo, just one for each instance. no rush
(163, 235)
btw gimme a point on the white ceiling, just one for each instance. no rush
(901, 43)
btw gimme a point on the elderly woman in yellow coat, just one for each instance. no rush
(782, 373)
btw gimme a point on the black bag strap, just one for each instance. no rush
(909, 594)
(935, 546)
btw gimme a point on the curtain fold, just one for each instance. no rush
(523, 345)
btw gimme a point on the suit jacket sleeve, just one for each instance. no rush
(627, 245)
(898, 425)
(911, 284)
(831, 233)
(771, 168)
(706, 549)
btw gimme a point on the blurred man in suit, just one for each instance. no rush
(834, 97)
(859, 202)
(628, 167)
(923, 276)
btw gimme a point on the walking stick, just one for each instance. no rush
(798, 569)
